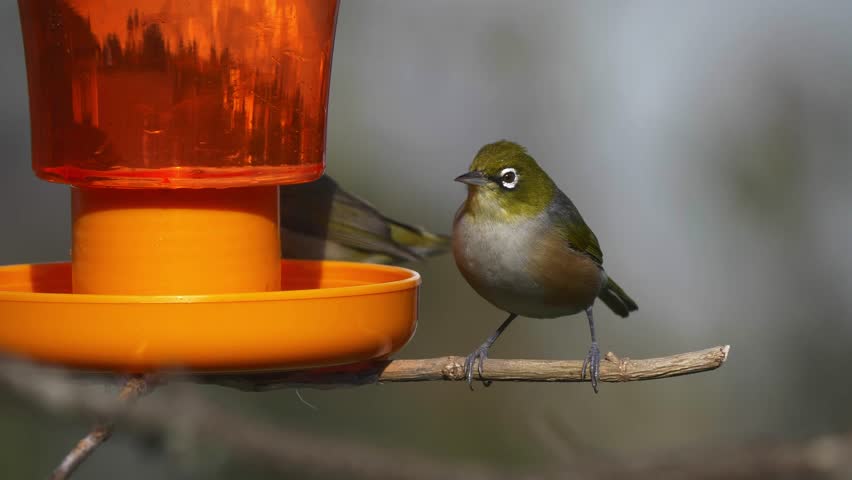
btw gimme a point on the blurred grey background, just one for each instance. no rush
(707, 143)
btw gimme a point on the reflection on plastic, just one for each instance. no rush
(211, 93)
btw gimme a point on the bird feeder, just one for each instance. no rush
(174, 123)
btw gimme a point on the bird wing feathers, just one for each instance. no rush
(326, 218)
(580, 238)
(573, 229)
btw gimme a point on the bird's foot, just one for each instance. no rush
(480, 354)
(593, 362)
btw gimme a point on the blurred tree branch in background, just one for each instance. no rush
(181, 411)
(135, 388)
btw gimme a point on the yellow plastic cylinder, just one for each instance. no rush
(175, 242)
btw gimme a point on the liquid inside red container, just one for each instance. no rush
(165, 94)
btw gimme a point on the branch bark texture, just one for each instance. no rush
(288, 451)
(613, 369)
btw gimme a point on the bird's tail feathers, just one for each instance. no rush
(417, 240)
(616, 299)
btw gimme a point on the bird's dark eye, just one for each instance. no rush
(509, 178)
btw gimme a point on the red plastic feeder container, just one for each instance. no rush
(174, 122)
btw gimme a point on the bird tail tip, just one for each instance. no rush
(617, 299)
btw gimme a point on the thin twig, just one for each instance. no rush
(287, 451)
(613, 369)
(135, 387)
(184, 412)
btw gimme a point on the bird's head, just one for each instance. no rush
(504, 180)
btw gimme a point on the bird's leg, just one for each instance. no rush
(481, 353)
(593, 358)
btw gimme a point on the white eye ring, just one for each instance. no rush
(509, 178)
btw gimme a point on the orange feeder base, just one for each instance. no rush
(175, 242)
(192, 279)
(327, 313)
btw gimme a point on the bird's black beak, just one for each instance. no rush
(473, 178)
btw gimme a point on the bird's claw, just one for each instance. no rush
(593, 362)
(481, 354)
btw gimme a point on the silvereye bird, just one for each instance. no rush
(320, 220)
(523, 246)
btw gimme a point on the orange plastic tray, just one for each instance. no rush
(327, 313)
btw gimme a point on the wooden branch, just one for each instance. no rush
(613, 369)
(135, 387)
(288, 450)
(178, 409)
